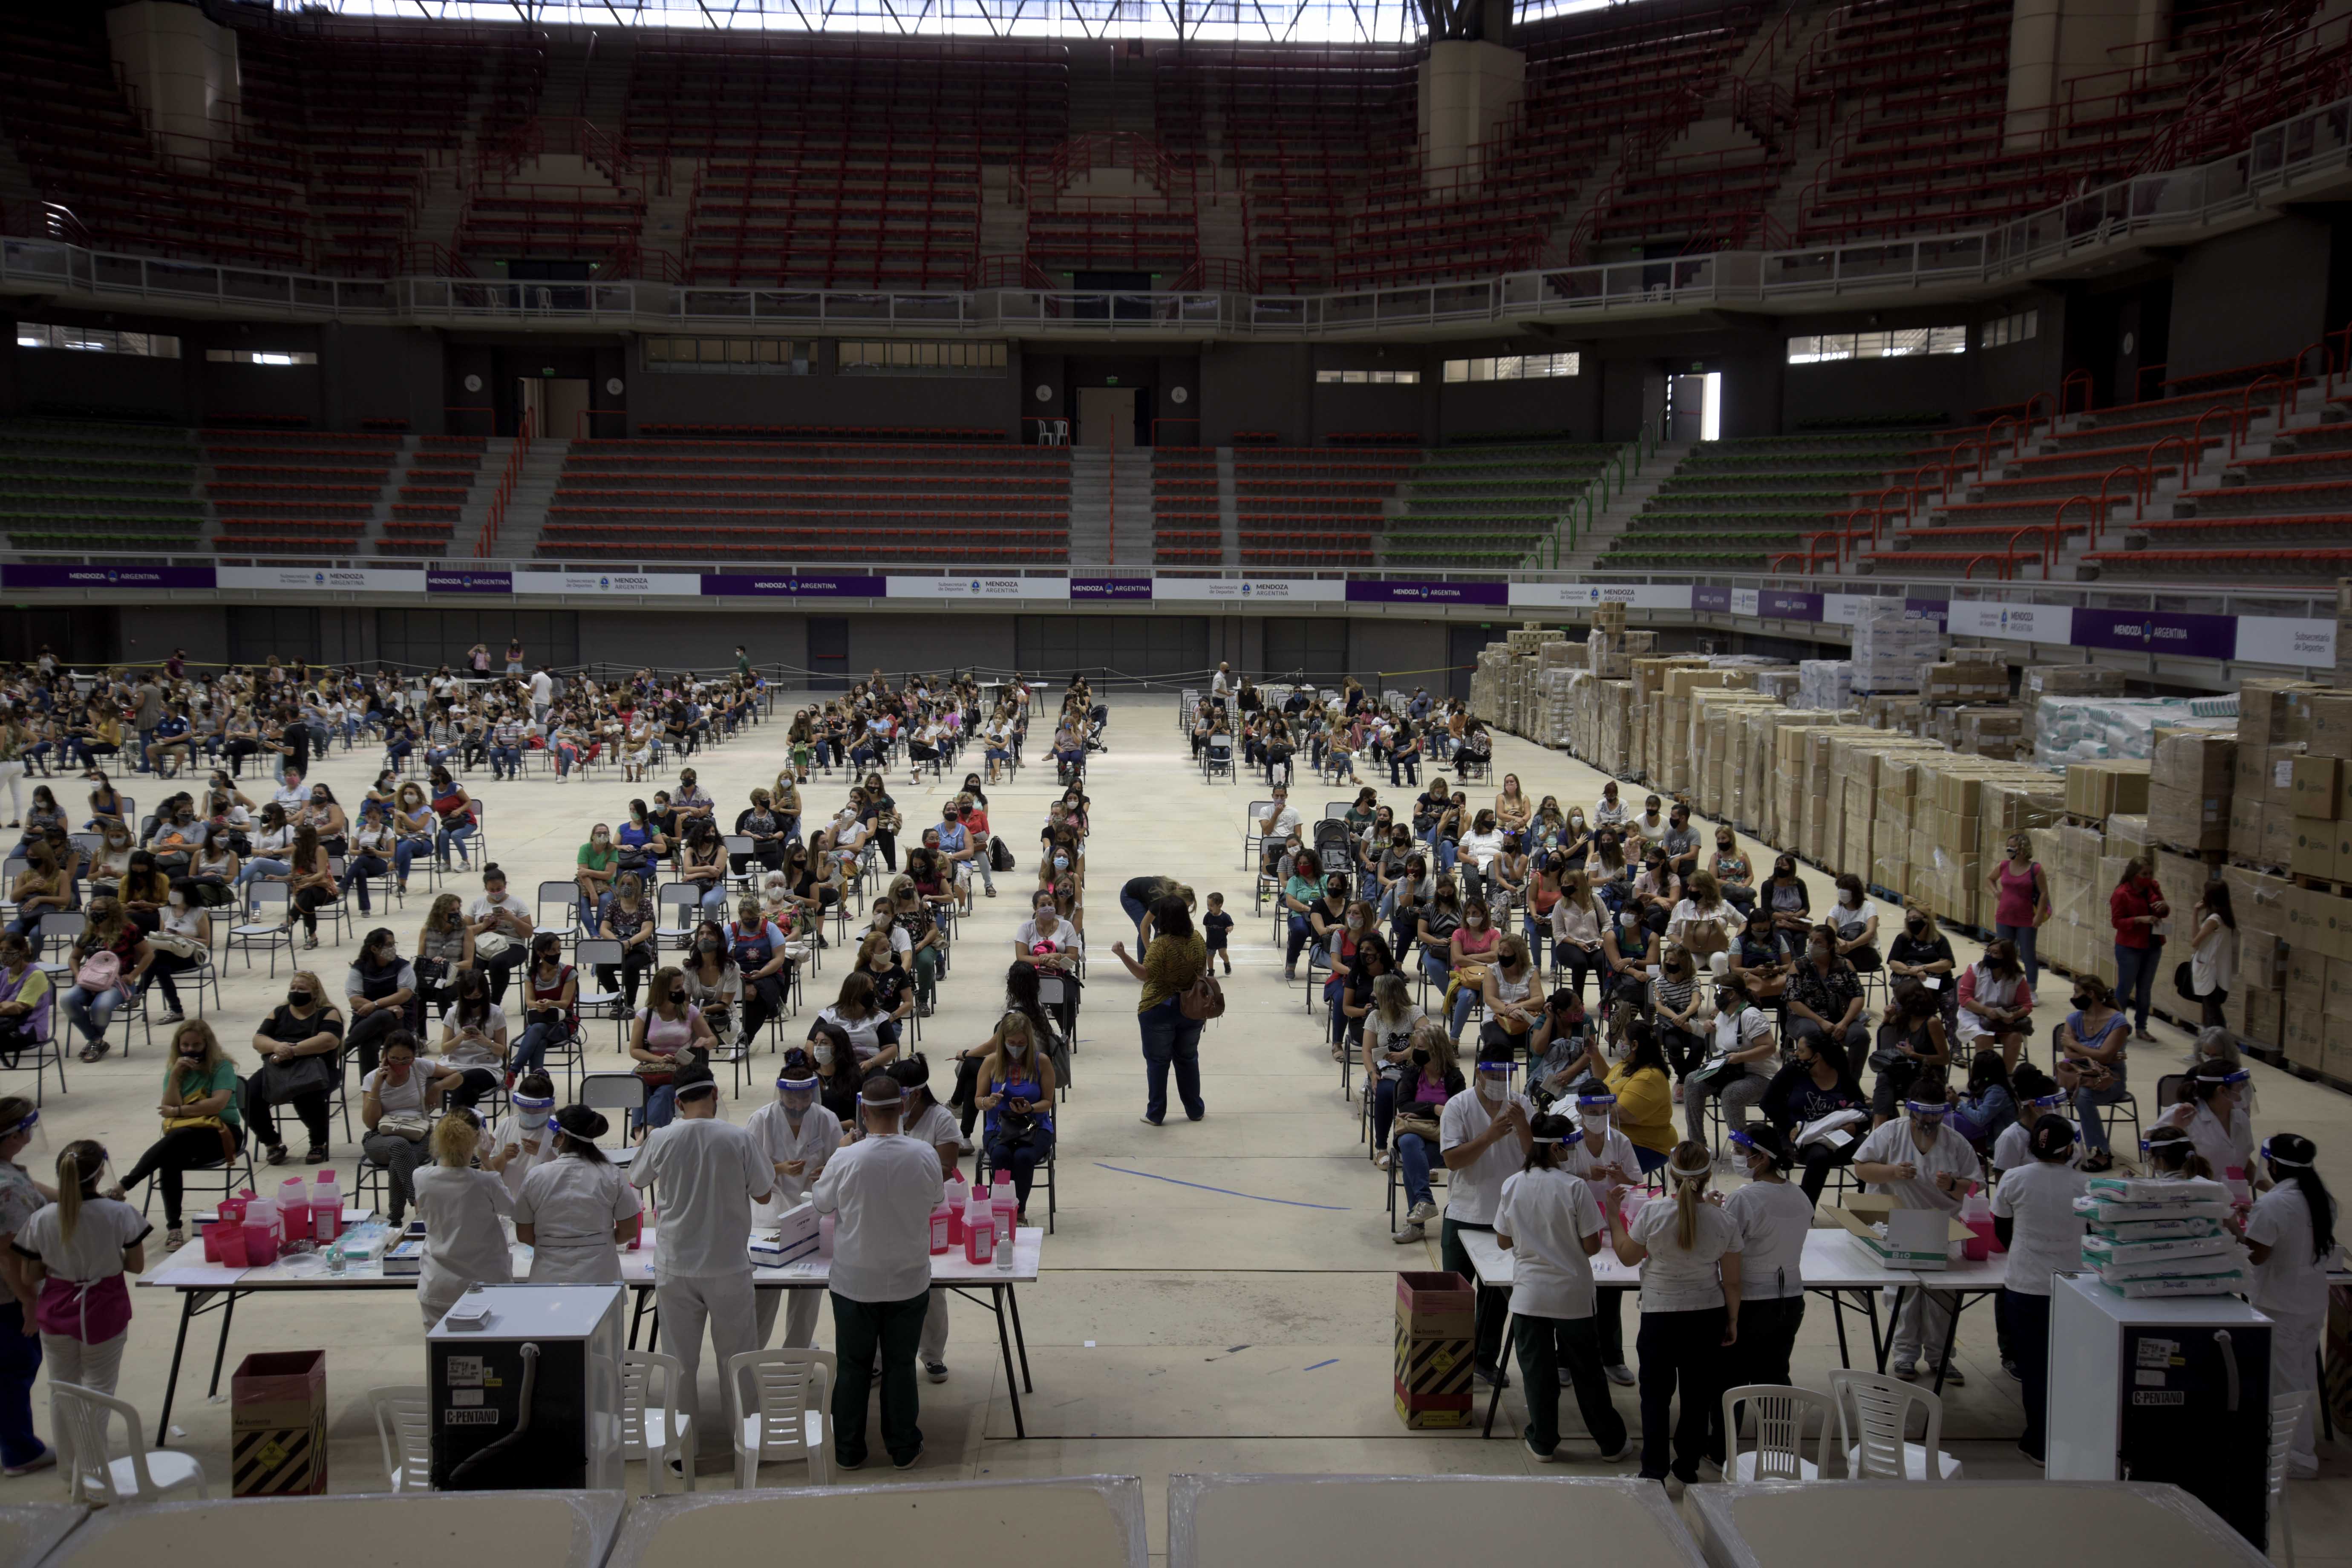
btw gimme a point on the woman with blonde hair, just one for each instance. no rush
(1687, 1251)
(72, 1256)
(202, 1125)
(464, 1244)
(1016, 1093)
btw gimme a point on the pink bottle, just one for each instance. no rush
(941, 1217)
(959, 1198)
(979, 1228)
(826, 1225)
(260, 1233)
(325, 1208)
(1005, 1207)
(293, 1212)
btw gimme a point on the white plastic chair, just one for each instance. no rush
(654, 1431)
(86, 1419)
(404, 1424)
(782, 1400)
(1779, 1451)
(1882, 1407)
(2287, 1415)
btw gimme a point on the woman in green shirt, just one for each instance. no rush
(201, 1125)
(597, 860)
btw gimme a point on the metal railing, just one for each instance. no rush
(2230, 190)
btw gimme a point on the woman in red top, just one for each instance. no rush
(2138, 910)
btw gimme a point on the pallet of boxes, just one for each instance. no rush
(2293, 991)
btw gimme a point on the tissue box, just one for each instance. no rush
(795, 1237)
(404, 1261)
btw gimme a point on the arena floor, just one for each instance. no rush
(1218, 1296)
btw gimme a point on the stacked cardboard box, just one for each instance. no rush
(2100, 790)
(1825, 683)
(2094, 729)
(2041, 680)
(2189, 780)
(2257, 1006)
(1970, 675)
(1892, 647)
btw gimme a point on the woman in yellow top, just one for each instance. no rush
(1645, 1096)
(1176, 958)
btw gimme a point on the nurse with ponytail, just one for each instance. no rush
(1687, 1251)
(2291, 1239)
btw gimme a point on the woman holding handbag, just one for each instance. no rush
(396, 1101)
(300, 1045)
(201, 1126)
(110, 958)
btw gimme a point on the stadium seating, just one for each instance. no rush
(1487, 505)
(1744, 504)
(289, 493)
(432, 495)
(76, 485)
(1187, 524)
(749, 498)
(1313, 506)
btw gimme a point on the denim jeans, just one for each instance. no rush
(714, 900)
(357, 870)
(2024, 937)
(2135, 970)
(452, 838)
(1135, 910)
(90, 1013)
(1301, 933)
(1021, 1159)
(2086, 1108)
(531, 1050)
(661, 1106)
(1171, 1039)
(1412, 1165)
(403, 851)
(506, 761)
(259, 866)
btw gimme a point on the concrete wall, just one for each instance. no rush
(2257, 295)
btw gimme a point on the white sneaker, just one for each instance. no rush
(1619, 1374)
(1423, 1212)
(1407, 1234)
(935, 1370)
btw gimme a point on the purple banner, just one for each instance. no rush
(1717, 601)
(791, 585)
(2187, 636)
(1937, 610)
(1110, 587)
(41, 575)
(469, 581)
(1394, 593)
(1774, 605)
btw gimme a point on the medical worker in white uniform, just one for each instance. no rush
(706, 1174)
(576, 1210)
(1922, 1165)
(796, 1136)
(2291, 1237)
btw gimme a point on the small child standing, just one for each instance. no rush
(1215, 924)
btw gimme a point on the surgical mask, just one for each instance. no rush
(706, 945)
(1061, 862)
(822, 1051)
(1016, 1048)
(532, 1121)
(1493, 1091)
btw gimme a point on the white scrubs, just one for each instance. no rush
(465, 1243)
(572, 1206)
(2291, 1286)
(2229, 1149)
(708, 1175)
(813, 1141)
(1926, 1318)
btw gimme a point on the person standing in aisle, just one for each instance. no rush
(1772, 1216)
(707, 1173)
(1176, 958)
(796, 1137)
(1549, 1221)
(2291, 1239)
(1483, 1133)
(883, 1187)
(2034, 1216)
(21, 1450)
(1689, 1252)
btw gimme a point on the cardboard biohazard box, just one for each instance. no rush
(278, 1424)
(1435, 1333)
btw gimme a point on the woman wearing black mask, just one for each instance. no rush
(1921, 952)
(378, 988)
(300, 1045)
(712, 982)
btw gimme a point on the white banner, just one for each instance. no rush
(537, 580)
(979, 587)
(1245, 590)
(2277, 639)
(2009, 623)
(1745, 601)
(354, 580)
(1584, 595)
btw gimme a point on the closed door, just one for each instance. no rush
(555, 408)
(1107, 416)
